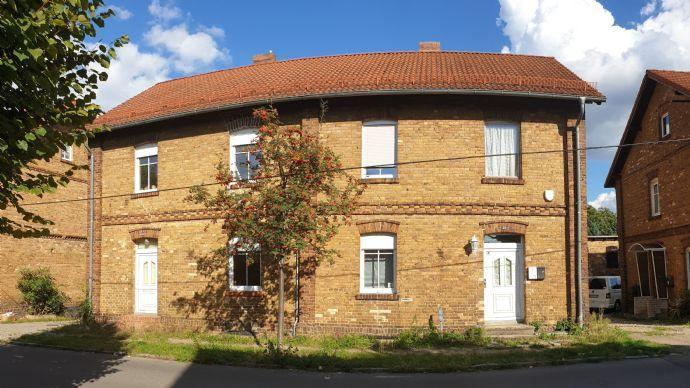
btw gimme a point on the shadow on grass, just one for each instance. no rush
(33, 366)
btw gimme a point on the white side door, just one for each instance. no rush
(146, 281)
(503, 299)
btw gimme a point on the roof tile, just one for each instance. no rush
(352, 73)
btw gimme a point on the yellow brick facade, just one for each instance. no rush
(437, 208)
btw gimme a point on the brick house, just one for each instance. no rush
(651, 190)
(603, 256)
(65, 250)
(451, 239)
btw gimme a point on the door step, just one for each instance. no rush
(508, 330)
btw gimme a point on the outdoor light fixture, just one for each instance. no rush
(474, 243)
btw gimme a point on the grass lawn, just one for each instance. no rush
(415, 350)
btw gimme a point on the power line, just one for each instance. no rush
(450, 159)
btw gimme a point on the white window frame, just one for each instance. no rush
(381, 123)
(518, 157)
(377, 241)
(141, 151)
(231, 272)
(66, 153)
(243, 137)
(665, 129)
(654, 198)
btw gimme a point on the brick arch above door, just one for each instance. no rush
(141, 233)
(378, 226)
(504, 227)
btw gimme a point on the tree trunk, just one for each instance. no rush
(281, 303)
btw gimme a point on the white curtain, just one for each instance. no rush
(502, 138)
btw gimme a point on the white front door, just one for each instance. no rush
(503, 270)
(146, 281)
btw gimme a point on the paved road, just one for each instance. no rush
(37, 367)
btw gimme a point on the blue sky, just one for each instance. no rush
(608, 41)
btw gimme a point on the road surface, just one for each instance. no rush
(40, 367)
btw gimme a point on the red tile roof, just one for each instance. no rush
(399, 72)
(679, 80)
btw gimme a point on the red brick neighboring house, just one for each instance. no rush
(652, 187)
(409, 253)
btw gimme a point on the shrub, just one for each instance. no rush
(40, 292)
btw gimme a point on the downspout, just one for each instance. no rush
(91, 224)
(578, 216)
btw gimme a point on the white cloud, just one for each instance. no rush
(132, 72)
(606, 200)
(188, 51)
(168, 51)
(583, 35)
(121, 13)
(165, 12)
(649, 8)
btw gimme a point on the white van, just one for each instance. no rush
(605, 292)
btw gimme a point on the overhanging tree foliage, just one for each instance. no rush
(292, 206)
(49, 71)
(601, 222)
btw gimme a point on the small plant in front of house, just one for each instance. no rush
(279, 354)
(567, 325)
(679, 308)
(85, 312)
(537, 325)
(40, 293)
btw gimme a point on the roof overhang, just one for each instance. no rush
(382, 92)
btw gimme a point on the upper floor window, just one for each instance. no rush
(377, 264)
(502, 140)
(379, 152)
(146, 167)
(245, 271)
(654, 197)
(665, 125)
(245, 156)
(66, 153)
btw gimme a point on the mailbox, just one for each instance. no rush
(535, 273)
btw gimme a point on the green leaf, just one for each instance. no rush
(22, 145)
(30, 136)
(40, 131)
(35, 52)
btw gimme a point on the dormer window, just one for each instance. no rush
(665, 125)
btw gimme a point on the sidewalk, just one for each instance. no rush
(9, 331)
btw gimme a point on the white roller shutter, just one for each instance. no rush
(378, 144)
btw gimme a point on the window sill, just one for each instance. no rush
(654, 217)
(390, 297)
(145, 194)
(502, 180)
(246, 293)
(67, 161)
(375, 181)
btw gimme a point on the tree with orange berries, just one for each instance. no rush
(296, 197)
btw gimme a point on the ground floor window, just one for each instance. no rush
(245, 271)
(377, 264)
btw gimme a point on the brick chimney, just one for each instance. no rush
(429, 46)
(264, 58)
